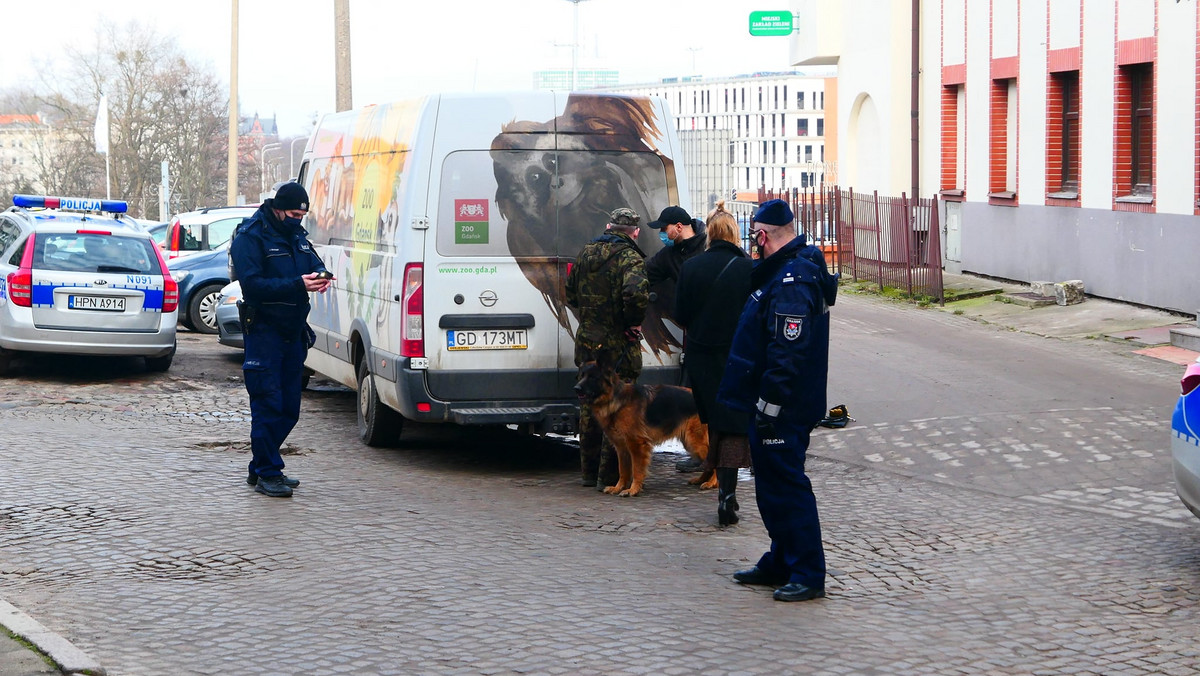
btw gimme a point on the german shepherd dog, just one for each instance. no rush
(636, 418)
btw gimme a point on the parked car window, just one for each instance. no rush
(159, 233)
(9, 232)
(220, 231)
(191, 237)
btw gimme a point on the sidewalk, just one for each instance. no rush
(984, 299)
(16, 659)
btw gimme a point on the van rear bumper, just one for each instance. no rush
(540, 416)
(545, 414)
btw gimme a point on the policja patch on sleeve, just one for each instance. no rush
(792, 327)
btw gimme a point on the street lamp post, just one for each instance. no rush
(262, 164)
(292, 157)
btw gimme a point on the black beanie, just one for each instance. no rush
(290, 197)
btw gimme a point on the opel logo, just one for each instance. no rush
(100, 282)
(488, 298)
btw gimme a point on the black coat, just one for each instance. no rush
(713, 288)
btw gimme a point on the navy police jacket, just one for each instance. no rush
(269, 257)
(779, 361)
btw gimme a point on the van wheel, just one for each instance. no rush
(378, 425)
(5, 361)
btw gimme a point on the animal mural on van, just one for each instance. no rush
(358, 181)
(558, 180)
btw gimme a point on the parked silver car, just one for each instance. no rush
(79, 277)
(229, 325)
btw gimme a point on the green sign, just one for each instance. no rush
(771, 23)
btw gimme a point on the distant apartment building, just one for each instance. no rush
(1062, 137)
(585, 78)
(22, 139)
(743, 133)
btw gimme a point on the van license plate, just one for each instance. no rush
(107, 303)
(503, 339)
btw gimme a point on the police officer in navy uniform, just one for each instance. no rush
(277, 267)
(777, 371)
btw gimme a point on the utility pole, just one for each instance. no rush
(231, 187)
(341, 48)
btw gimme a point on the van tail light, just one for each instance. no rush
(20, 287)
(412, 312)
(20, 283)
(170, 286)
(1191, 378)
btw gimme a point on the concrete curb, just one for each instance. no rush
(67, 657)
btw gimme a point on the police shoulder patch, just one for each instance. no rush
(792, 327)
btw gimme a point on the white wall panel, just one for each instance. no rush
(1004, 28)
(1064, 22)
(975, 140)
(1096, 107)
(1135, 18)
(1031, 85)
(1175, 108)
(954, 16)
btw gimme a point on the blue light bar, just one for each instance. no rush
(70, 203)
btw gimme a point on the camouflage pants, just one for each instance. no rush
(597, 457)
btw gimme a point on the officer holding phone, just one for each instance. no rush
(277, 268)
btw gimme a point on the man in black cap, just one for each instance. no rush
(277, 268)
(777, 372)
(683, 239)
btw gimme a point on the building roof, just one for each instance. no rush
(18, 119)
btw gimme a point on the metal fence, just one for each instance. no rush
(891, 241)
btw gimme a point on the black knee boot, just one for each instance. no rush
(727, 504)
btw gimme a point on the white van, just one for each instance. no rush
(450, 223)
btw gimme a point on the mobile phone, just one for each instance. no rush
(324, 274)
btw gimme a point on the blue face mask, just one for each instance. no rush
(667, 241)
(292, 222)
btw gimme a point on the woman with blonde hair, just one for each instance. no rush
(713, 286)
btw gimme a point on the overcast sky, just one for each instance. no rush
(403, 48)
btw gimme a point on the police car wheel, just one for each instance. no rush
(161, 364)
(378, 425)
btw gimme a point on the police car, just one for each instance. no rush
(77, 276)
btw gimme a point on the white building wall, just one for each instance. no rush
(978, 88)
(931, 94)
(952, 16)
(1135, 19)
(1175, 104)
(1004, 28)
(1031, 99)
(1096, 106)
(1064, 23)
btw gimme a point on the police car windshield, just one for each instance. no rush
(78, 252)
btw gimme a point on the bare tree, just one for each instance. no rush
(161, 107)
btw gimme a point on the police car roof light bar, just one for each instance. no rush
(70, 203)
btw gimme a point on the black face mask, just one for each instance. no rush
(292, 222)
(757, 250)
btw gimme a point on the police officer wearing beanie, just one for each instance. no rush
(277, 268)
(777, 371)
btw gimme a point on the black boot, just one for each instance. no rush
(727, 504)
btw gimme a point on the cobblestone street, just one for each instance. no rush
(1031, 527)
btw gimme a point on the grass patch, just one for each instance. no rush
(32, 648)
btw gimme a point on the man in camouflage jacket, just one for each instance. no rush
(608, 290)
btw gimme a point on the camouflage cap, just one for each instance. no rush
(624, 216)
